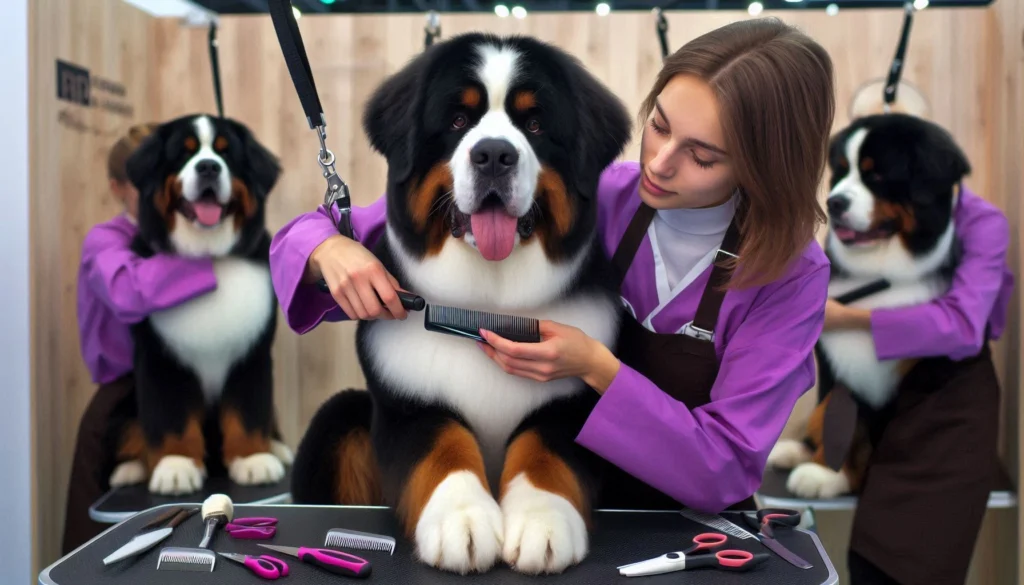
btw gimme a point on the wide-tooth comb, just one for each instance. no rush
(343, 538)
(186, 559)
(468, 323)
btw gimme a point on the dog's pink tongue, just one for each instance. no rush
(495, 233)
(207, 213)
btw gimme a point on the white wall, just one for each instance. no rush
(15, 418)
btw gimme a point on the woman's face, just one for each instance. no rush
(682, 153)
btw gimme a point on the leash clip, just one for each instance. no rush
(337, 190)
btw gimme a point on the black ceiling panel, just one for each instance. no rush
(383, 6)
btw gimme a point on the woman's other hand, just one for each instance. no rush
(839, 316)
(356, 278)
(564, 351)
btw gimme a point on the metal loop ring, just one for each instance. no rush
(325, 161)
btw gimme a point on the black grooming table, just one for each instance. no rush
(620, 537)
(124, 502)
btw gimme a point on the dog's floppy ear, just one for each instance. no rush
(262, 166)
(390, 118)
(938, 164)
(603, 122)
(144, 164)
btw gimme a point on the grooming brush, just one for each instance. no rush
(343, 538)
(217, 509)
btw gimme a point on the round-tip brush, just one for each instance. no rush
(217, 509)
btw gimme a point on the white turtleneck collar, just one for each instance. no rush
(684, 243)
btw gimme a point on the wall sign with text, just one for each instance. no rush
(77, 85)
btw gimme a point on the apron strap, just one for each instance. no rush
(706, 318)
(630, 242)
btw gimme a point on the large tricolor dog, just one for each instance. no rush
(203, 368)
(494, 147)
(895, 179)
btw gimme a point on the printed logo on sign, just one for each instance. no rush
(72, 83)
(76, 85)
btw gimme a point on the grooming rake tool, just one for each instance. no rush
(217, 509)
(344, 538)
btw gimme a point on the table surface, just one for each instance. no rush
(124, 502)
(619, 537)
(773, 494)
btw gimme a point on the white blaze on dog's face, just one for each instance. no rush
(495, 147)
(850, 197)
(202, 185)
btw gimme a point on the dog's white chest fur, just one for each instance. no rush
(211, 332)
(438, 368)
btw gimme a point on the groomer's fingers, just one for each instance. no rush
(368, 297)
(356, 301)
(387, 288)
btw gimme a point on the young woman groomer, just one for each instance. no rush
(734, 144)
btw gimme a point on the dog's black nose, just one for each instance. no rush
(838, 205)
(494, 157)
(208, 168)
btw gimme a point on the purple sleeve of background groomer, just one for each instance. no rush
(132, 287)
(304, 305)
(714, 455)
(954, 324)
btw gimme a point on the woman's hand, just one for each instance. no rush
(356, 278)
(839, 316)
(563, 352)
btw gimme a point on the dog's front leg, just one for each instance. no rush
(445, 504)
(246, 421)
(545, 506)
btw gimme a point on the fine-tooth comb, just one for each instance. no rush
(468, 323)
(185, 559)
(344, 538)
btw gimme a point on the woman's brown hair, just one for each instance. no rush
(775, 90)
(123, 148)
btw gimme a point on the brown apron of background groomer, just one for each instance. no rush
(684, 367)
(933, 465)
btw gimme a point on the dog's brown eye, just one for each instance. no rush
(191, 144)
(220, 144)
(533, 125)
(459, 122)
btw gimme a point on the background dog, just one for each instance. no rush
(894, 184)
(203, 368)
(495, 147)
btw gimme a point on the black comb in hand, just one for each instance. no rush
(411, 302)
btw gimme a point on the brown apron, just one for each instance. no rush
(681, 365)
(935, 460)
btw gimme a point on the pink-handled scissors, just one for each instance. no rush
(265, 566)
(252, 528)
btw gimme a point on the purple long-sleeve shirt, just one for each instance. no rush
(706, 458)
(117, 288)
(954, 325)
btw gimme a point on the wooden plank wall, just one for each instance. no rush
(68, 183)
(966, 61)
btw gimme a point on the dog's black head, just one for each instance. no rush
(894, 180)
(494, 148)
(203, 183)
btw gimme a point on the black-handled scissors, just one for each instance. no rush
(725, 560)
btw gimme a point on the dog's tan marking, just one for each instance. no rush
(220, 144)
(241, 196)
(471, 97)
(191, 144)
(188, 443)
(358, 473)
(902, 215)
(856, 461)
(454, 449)
(545, 469)
(866, 164)
(524, 101)
(557, 211)
(166, 200)
(240, 442)
(427, 206)
(132, 444)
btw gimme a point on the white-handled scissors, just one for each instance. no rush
(729, 560)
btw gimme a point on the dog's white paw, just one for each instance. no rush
(176, 475)
(256, 469)
(128, 473)
(460, 529)
(282, 452)
(810, 480)
(787, 454)
(544, 532)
